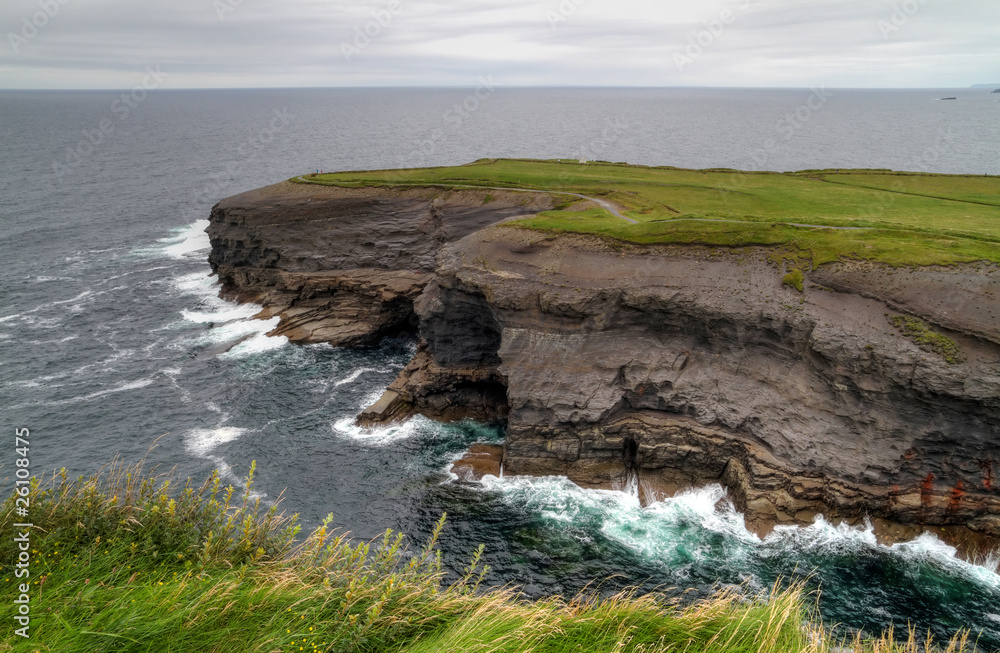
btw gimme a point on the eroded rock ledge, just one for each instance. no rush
(681, 365)
(343, 265)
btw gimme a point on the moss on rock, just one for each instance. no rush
(794, 278)
(928, 339)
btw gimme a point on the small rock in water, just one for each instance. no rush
(479, 461)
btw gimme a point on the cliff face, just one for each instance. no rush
(677, 366)
(683, 366)
(344, 265)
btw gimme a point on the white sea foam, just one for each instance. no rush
(231, 322)
(257, 344)
(225, 313)
(657, 531)
(31, 318)
(77, 305)
(57, 341)
(171, 373)
(227, 474)
(236, 330)
(821, 534)
(354, 377)
(198, 283)
(660, 532)
(186, 242)
(38, 381)
(929, 548)
(25, 384)
(559, 500)
(350, 379)
(379, 435)
(85, 294)
(842, 538)
(202, 442)
(450, 465)
(709, 507)
(124, 387)
(39, 323)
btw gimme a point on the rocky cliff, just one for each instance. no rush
(664, 366)
(344, 265)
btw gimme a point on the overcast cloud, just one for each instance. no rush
(255, 43)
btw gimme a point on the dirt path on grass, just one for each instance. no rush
(604, 204)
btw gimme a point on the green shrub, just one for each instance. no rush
(928, 339)
(794, 279)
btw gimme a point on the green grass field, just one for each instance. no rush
(122, 562)
(894, 218)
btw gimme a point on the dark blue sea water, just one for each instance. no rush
(112, 336)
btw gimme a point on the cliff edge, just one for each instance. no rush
(871, 391)
(343, 265)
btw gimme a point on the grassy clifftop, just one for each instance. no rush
(890, 217)
(121, 562)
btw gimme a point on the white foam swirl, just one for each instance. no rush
(202, 442)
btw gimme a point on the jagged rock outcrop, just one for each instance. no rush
(682, 365)
(446, 393)
(344, 265)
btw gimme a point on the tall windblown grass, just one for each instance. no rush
(123, 561)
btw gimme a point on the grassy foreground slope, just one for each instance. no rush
(890, 217)
(121, 562)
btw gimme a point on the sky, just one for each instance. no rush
(319, 43)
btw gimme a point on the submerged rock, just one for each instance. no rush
(479, 461)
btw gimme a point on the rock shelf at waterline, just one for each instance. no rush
(735, 333)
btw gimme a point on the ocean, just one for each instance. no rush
(114, 343)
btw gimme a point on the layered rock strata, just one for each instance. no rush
(344, 265)
(675, 366)
(687, 366)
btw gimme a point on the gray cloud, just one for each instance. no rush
(218, 43)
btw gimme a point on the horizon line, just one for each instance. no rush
(974, 87)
